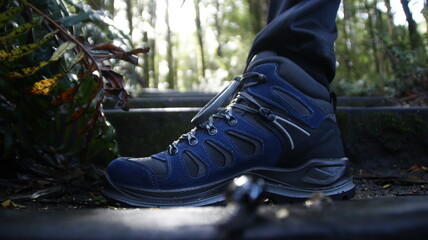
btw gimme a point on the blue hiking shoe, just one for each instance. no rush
(280, 126)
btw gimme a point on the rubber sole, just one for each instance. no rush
(329, 176)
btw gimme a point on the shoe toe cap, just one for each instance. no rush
(130, 173)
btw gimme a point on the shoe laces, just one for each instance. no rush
(204, 119)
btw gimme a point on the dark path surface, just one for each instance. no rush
(394, 218)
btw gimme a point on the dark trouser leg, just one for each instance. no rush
(303, 31)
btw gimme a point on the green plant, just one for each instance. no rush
(52, 85)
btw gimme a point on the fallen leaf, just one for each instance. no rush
(6, 203)
(414, 168)
(10, 204)
(418, 168)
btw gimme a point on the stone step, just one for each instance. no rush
(395, 218)
(378, 136)
(200, 99)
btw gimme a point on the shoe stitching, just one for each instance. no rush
(229, 113)
(231, 149)
(183, 165)
(269, 100)
(235, 87)
(298, 90)
(255, 128)
(275, 66)
(215, 166)
(260, 141)
(147, 170)
(162, 178)
(298, 98)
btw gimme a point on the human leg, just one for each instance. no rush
(303, 31)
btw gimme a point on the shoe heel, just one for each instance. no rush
(328, 176)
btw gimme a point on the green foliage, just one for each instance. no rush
(226, 53)
(9, 14)
(21, 51)
(374, 55)
(410, 69)
(52, 84)
(16, 32)
(94, 25)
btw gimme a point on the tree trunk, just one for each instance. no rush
(425, 11)
(373, 38)
(129, 16)
(170, 77)
(381, 57)
(152, 43)
(415, 41)
(218, 29)
(390, 22)
(199, 33)
(109, 6)
(347, 35)
(146, 64)
(258, 10)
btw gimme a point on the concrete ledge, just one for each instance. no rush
(397, 218)
(384, 136)
(164, 100)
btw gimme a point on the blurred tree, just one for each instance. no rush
(379, 57)
(415, 39)
(200, 34)
(130, 15)
(375, 55)
(258, 12)
(170, 78)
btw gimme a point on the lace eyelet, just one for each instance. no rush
(232, 121)
(193, 141)
(172, 150)
(212, 131)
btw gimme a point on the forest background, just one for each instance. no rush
(198, 45)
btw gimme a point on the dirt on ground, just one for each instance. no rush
(45, 194)
(394, 182)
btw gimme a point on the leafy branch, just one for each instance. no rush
(46, 70)
(94, 62)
